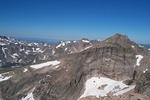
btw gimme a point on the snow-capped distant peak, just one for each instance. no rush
(67, 42)
(86, 41)
(141, 46)
(61, 44)
(74, 41)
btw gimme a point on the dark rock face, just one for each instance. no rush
(143, 83)
(114, 58)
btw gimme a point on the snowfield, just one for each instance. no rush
(139, 58)
(101, 86)
(49, 63)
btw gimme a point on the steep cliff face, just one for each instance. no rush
(117, 59)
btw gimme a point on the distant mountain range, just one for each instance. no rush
(40, 40)
(116, 68)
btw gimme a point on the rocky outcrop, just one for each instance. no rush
(143, 82)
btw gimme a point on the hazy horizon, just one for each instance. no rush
(75, 19)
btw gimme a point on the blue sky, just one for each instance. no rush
(74, 19)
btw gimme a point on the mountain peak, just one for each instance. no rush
(120, 39)
(120, 36)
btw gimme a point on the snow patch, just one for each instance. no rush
(2, 44)
(100, 87)
(74, 41)
(27, 52)
(28, 97)
(37, 50)
(61, 44)
(52, 63)
(133, 46)
(66, 49)
(86, 41)
(139, 58)
(3, 49)
(67, 42)
(3, 77)
(25, 70)
(21, 49)
(86, 48)
(53, 52)
(145, 70)
(56, 66)
(14, 55)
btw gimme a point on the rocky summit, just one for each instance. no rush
(113, 69)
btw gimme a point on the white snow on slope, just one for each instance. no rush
(2, 44)
(139, 58)
(3, 77)
(53, 52)
(3, 49)
(74, 41)
(25, 70)
(86, 48)
(61, 44)
(133, 46)
(86, 41)
(148, 49)
(14, 55)
(28, 97)
(145, 70)
(52, 63)
(96, 86)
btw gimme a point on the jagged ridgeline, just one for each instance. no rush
(113, 69)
